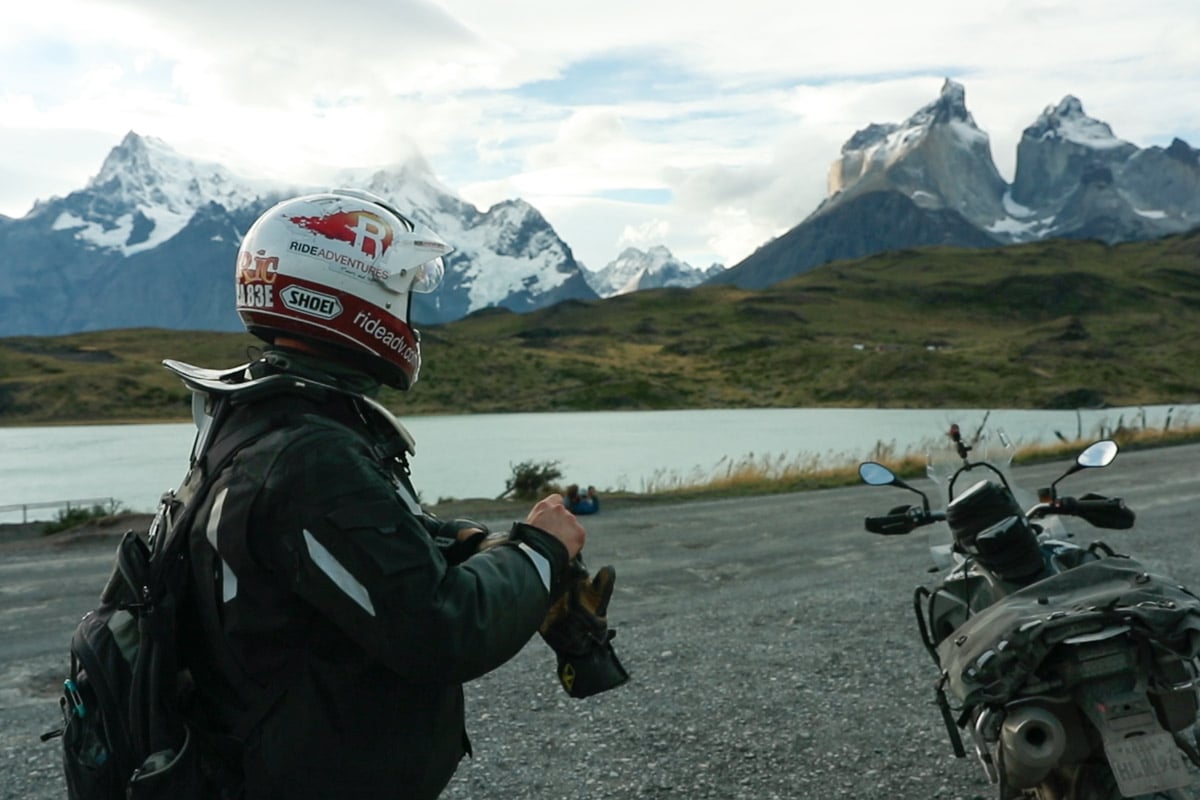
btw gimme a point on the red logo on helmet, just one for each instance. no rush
(257, 267)
(366, 231)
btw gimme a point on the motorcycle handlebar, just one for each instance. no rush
(1102, 512)
(901, 523)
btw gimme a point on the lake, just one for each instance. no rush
(473, 455)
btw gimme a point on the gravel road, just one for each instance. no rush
(770, 641)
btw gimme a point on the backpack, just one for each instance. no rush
(125, 732)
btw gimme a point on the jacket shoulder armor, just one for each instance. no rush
(235, 385)
(210, 386)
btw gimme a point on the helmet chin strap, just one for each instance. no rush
(308, 348)
(330, 361)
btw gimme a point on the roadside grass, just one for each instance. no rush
(749, 476)
(760, 475)
(755, 475)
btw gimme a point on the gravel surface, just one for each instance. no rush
(771, 646)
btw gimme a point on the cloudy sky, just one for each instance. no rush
(705, 126)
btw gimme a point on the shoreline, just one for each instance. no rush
(400, 412)
(26, 535)
(80, 423)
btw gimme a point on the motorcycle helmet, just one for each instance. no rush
(978, 508)
(339, 268)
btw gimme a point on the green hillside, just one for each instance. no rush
(1047, 325)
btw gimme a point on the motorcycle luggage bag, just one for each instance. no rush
(996, 651)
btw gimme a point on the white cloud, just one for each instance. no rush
(713, 124)
(645, 235)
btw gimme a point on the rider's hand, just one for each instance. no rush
(552, 516)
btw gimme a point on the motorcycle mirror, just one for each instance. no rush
(1096, 455)
(876, 474)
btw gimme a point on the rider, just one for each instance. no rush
(348, 614)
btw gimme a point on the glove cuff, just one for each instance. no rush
(593, 672)
(459, 524)
(455, 551)
(549, 548)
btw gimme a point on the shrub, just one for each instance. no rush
(73, 517)
(531, 479)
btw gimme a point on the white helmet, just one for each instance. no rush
(339, 268)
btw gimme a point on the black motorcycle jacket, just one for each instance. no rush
(351, 632)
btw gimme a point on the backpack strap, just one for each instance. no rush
(222, 445)
(154, 728)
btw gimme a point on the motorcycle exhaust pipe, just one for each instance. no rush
(1033, 740)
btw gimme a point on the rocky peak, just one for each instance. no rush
(1165, 182)
(950, 106)
(132, 155)
(517, 226)
(870, 136)
(143, 177)
(1068, 122)
(656, 268)
(1059, 150)
(1183, 152)
(938, 158)
(413, 189)
(133, 166)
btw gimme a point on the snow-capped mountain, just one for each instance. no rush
(656, 268)
(145, 193)
(150, 242)
(508, 256)
(1076, 179)
(931, 180)
(1054, 151)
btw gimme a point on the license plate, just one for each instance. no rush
(1146, 764)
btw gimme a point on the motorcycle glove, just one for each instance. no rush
(460, 539)
(576, 629)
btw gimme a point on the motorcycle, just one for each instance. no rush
(1072, 669)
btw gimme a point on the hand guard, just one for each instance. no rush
(576, 628)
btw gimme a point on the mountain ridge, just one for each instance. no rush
(1074, 179)
(1057, 324)
(146, 241)
(130, 247)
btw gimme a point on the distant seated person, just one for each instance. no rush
(582, 504)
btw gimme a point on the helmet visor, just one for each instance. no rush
(429, 276)
(414, 263)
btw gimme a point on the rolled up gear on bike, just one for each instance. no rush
(576, 629)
